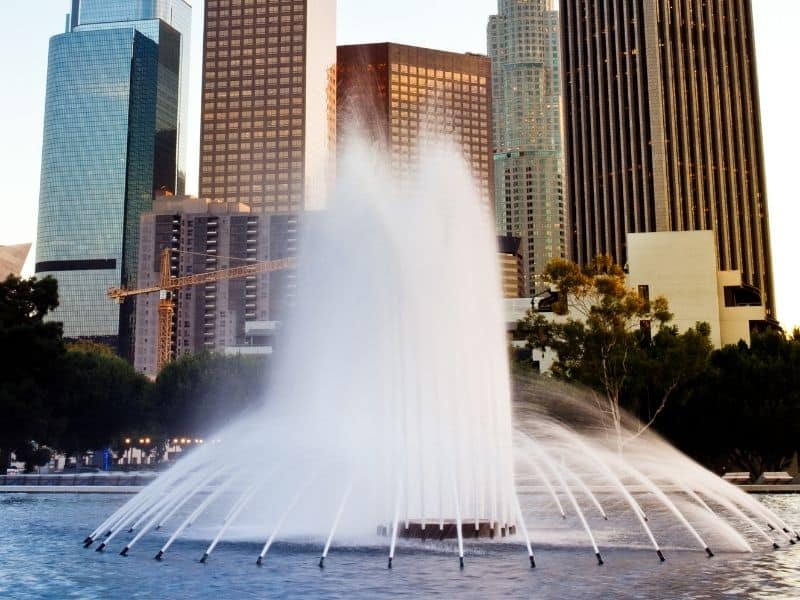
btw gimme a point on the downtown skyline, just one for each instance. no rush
(360, 21)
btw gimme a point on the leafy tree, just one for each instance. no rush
(605, 341)
(33, 456)
(31, 348)
(102, 398)
(199, 393)
(746, 414)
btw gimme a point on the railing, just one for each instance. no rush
(80, 479)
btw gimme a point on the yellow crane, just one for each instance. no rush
(169, 284)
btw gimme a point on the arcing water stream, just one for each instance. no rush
(391, 410)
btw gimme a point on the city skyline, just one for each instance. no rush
(359, 21)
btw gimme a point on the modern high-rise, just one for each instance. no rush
(404, 97)
(662, 129)
(240, 315)
(112, 135)
(267, 109)
(523, 43)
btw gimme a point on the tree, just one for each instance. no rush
(31, 349)
(199, 393)
(746, 413)
(606, 342)
(101, 399)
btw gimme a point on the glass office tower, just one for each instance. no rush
(110, 139)
(522, 40)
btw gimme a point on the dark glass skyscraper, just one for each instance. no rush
(110, 139)
(662, 129)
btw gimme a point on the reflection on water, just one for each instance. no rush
(41, 557)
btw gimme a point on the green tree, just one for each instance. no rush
(31, 349)
(101, 399)
(605, 341)
(746, 415)
(199, 393)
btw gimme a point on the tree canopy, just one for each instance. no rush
(605, 340)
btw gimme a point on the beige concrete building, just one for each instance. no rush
(12, 259)
(682, 267)
(511, 270)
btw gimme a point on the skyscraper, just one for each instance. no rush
(111, 137)
(522, 40)
(404, 97)
(662, 129)
(267, 112)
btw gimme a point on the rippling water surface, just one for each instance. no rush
(41, 557)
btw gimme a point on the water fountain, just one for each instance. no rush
(390, 410)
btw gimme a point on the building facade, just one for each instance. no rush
(267, 112)
(231, 316)
(110, 139)
(523, 43)
(511, 270)
(662, 129)
(403, 98)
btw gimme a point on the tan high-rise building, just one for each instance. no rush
(267, 117)
(662, 129)
(404, 97)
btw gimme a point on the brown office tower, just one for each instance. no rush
(267, 117)
(662, 129)
(404, 97)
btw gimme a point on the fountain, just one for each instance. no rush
(390, 410)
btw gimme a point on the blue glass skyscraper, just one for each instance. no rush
(112, 136)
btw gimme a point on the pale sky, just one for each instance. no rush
(456, 25)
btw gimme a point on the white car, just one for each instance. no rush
(12, 471)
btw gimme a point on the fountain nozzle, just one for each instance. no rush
(533, 562)
(709, 552)
(390, 562)
(204, 558)
(461, 562)
(160, 555)
(124, 551)
(321, 562)
(599, 558)
(660, 555)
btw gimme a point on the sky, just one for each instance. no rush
(456, 25)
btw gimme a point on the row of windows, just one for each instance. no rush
(438, 73)
(225, 34)
(225, 94)
(246, 146)
(248, 115)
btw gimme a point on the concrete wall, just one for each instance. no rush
(681, 266)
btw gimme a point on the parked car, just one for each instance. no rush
(12, 471)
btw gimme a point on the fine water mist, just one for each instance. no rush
(389, 412)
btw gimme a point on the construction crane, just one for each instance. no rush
(168, 284)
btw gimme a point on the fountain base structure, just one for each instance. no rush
(448, 530)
